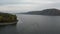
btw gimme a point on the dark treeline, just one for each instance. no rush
(5, 17)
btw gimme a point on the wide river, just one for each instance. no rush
(33, 24)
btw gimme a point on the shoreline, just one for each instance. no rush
(9, 23)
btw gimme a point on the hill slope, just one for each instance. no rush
(45, 12)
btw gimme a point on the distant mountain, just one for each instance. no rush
(45, 12)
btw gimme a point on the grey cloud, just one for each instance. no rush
(55, 4)
(5, 2)
(46, 6)
(51, 0)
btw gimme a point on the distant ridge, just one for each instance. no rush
(45, 12)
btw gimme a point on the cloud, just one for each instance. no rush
(27, 5)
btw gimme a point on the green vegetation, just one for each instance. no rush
(5, 17)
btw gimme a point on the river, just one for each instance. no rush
(33, 24)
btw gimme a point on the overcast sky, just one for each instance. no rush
(27, 5)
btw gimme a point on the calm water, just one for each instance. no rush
(33, 24)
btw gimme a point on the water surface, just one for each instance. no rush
(33, 24)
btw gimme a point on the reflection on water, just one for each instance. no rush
(33, 24)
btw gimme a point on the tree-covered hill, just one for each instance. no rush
(5, 17)
(45, 12)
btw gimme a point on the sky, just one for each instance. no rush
(27, 5)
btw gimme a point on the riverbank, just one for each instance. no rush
(9, 23)
(7, 18)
